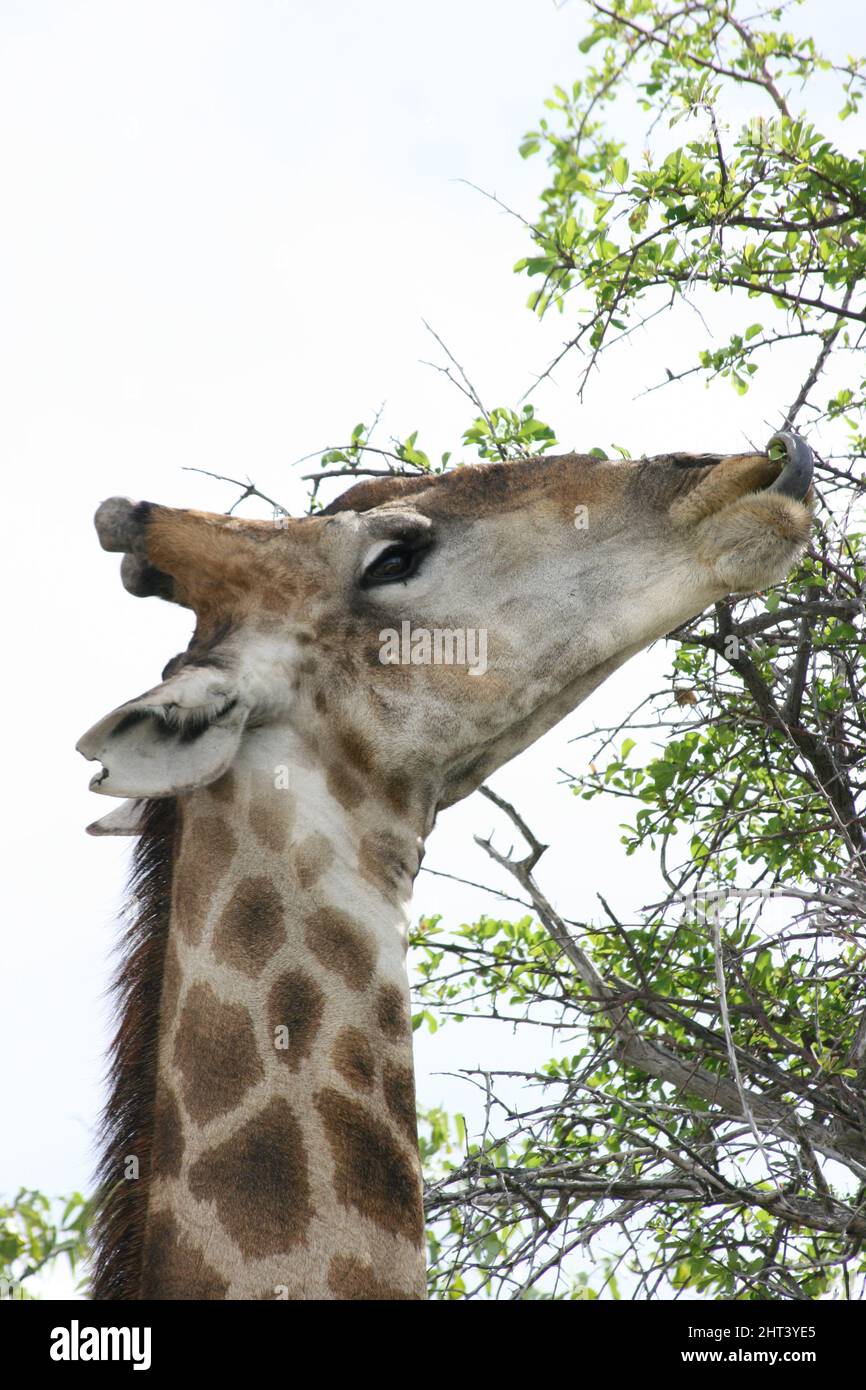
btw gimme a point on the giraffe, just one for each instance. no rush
(260, 1137)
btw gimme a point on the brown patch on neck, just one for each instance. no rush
(386, 861)
(171, 985)
(225, 788)
(296, 1003)
(168, 1142)
(349, 1278)
(259, 1180)
(392, 1013)
(373, 1174)
(174, 1268)
(271, 817)
(397, 793)
(206, 851)
(342, 945)
(399, 1087)
(353, 1057)
(128, 1119)
(251, 926)
(355, 751)
(311, 858)
(345, 786)
(215, 1052)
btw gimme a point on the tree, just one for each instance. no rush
(715, 1119)
(34, 1233)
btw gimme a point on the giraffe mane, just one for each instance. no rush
(469, 490)
(127, 1121)
(372, 492)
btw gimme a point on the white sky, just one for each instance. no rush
(222, 226)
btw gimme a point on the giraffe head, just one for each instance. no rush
(540, 577)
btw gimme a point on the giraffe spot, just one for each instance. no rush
(356, 751)
(353, 1057)
(167, 1134)
(174, 1268)
(392, 1012)
(207, 849)
(270, 822)
(397, 793)
(211, 839)
(350, 1278)
(297, 1003)
(398, 1084)
(320, 700)
(215, 1050)
(192, 894)
(338, 941)
(251, 926)
(311, 857)
(372, 1173)
(171, 982)
(224, 787)
(259, 1183)
(343, 784)
(382, 861)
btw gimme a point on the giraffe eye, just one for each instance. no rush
(399, 561)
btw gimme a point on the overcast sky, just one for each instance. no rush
(223, 225)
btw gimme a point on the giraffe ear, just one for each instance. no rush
(181, 735)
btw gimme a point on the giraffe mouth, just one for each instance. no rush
(785, 470)
(798, 466)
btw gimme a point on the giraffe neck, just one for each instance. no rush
(284, 1149)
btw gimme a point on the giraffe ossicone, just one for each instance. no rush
(281, 781)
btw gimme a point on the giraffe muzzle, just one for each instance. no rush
(121, 525)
